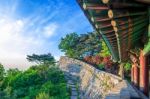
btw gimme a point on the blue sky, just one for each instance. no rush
(36, 26)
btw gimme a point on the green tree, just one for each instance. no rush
(89, 44)
(38, 82)
(68, 45)
(78, 46)
(46, 59)
(2, 72)
(30, 83)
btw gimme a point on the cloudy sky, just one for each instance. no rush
(36, 26)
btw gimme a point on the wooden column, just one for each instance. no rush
(132, 74)
(149, 82)
(136, 75)
(143, 74)
(121, 70)
(134, 70)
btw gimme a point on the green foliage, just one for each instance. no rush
(46, 59)
(2, 72)
(104, 52)
(78, 46)
(127, 66)
(43, 95)
(101, 66)
(68, 44)
(37, 82)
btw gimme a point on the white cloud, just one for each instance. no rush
(14, 45)
(27, 35)
(50, 29)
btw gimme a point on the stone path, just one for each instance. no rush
(71, 84)
(93, 83)
(122, 91)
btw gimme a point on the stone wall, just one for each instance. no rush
(93, 83)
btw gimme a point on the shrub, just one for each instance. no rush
(43, 95)
(107, 62)
(40, 82)
(97, 59)
(94, 59)
(127, 66)
(101, 62)
(88, 59)
(101, 66)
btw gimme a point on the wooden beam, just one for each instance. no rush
(119, 14)
(109, 36)
(113, 41)
(144, 1)
(101, 19)
(101, 26)
(125, 5)
(122, 4)
(88, 6)
(108, 31)
(134, 26)
(134, 33)
(105, 1)
(122, 21)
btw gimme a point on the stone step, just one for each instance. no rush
(113, 97)
(73, 88)
(70, 82)
(67, 79)
(69, 76)
(74, 97)
(74, 93)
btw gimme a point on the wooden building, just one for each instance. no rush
(125, 27)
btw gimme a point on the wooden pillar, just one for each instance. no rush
(134, 70)
(132, 74)
(143, 74)
(149, 79)
(121, 70)
(136, 75)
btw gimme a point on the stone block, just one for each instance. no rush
(74, 97)
(74, 93)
